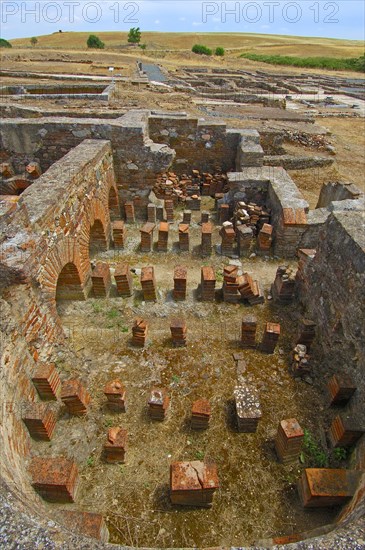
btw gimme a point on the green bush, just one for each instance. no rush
(142, 46)
(219, 51)
(94, 42)
(334, 63)
(201, 50)
(134, 35)
(4, 43)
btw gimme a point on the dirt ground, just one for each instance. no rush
(257, 496)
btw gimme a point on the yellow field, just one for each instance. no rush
(237, 42)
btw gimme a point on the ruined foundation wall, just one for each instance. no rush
(333, 294)
(203, 145)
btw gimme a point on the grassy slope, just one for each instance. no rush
(253, 43)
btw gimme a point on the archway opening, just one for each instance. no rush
(69, 285)
(97, 241)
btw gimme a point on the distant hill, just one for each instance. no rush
(236, 42)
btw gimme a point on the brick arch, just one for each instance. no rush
(96, 211)
(62, 274)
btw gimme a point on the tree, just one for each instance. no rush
(34, 40)
(134, 35)
(94, 42)
(4, 43)
(219, 51)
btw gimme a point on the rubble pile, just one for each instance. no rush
(197, 183)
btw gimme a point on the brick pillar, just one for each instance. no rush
(178, 332)
(244, 239)
(55, 479)
(163, 237)
(119, 233)
(200, 414)
(151, 213)
(116, 445)
(187, 217)
(306, 332)
(139, 332)
(228, 238)
(158, 404)
(40, 420)
(248, 332)
(129, 212)
(206, 244)
(115, 393)
(231, 284)
(169, 209)
(47, 382)
(204, 218)
(248, 409)
(345, 431)
(264, 238)
(270, 337)
(223, 213)
(289, 440)
(184, 237)
(283, 288)
(147, 237)
(101, 280)
(75, 397)
(341, 387)
(180, 277)
(195, 202)
(193, 483)
(207, 284)
(148, 283)
(123, 279)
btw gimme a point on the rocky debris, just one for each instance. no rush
(197, 183)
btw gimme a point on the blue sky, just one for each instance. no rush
(338, 19)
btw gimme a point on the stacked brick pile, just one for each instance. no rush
(228, 238)
(47, 382)
(116, 445)
(148, 283)
(139, 332)
(301, 361)
(180, 278)
(163, 237)
(40, 420)
(248, 332)
(123, 279)
(169, 209)
(270, 337)
(244, 237)
(55, 479)
(200, 414)
(306, 332)
(101, 280)
(119, 233)
(115, 393)
(248, 409)
(283, 288)
(151, 213)
(250, 290)
(169, 184)
(193, 483)
(231, 284)
(178, 332)
(289, 441)
(206, 244)
(264, 237)
(251, 215)
(158, 404)
(323, 487)
(194, 202)
(129, 212)
(341, 387)
(75, 397)
(345, 431)
(184, 237)
(147, 237)
(207, 284)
